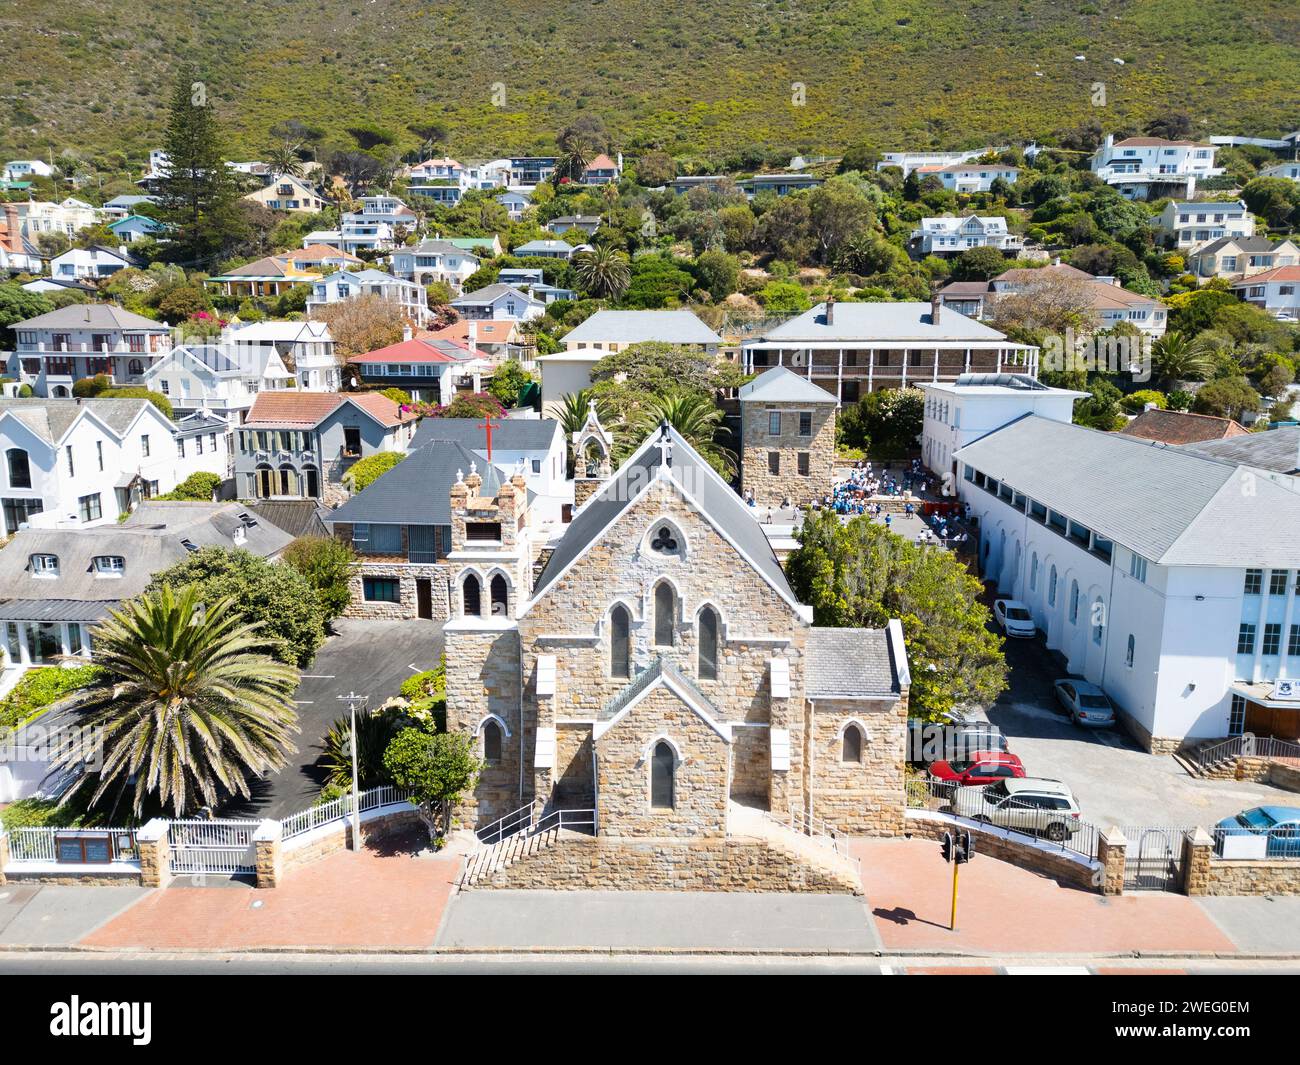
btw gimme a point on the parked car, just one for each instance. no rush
(1014, 617)
(1281, 824)
(1085, 703)
(982, 767)
(1029, 804)
(929, 741)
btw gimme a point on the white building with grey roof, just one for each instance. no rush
(83, 462)
(850, 349)
(1167, 576)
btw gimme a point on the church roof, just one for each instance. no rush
(695, 479)
(850, 662)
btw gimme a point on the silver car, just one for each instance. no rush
(1028, 804)
(1086, 703)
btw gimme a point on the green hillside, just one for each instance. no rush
(699, 77)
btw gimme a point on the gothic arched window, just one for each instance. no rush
(471, 596)
(663, 767)
(620, 643)
(707, 663)
(665, 605)
(852, 749)
(491, 742)
(500, 593)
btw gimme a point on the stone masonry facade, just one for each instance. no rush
(793, 450)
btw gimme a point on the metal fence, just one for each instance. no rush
(97, 846)
(1246, 745)
(1260, 842)
(212, 846)
(339, 809)
(1154, 858)
(1060, 828)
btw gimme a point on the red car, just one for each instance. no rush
(982, 767)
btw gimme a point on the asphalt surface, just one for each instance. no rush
(371, 658)
(1114, 781)
(619, 920)
(35, 915)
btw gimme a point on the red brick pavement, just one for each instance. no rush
(366, 899)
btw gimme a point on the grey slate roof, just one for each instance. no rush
(417, 490)
(1169, 504)
(849, 662)
(105, 316)
(882, 322)
(639, 327)
(691, 474)
(511, 434)
(52, 418)
(1275, 449)
(297, 517)
(488, 293)
(782, 385)
(148, 541)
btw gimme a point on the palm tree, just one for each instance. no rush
(697, 419)
(285, 161)
(1175, 358)
(189, 709)
(602, 271)
(573, 411)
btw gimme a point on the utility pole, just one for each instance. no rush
(352, 699)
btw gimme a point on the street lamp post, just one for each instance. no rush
(352, 698)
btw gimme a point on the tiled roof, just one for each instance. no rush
(1280, 273)
(1181, 427)
(419, 349)
(849, 662)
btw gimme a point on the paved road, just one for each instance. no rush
(1114, 780)
(655, 919)
(369, 657)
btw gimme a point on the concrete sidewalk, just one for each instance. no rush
(623, 920)
(53, 915)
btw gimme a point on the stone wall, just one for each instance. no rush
(1068, 868)
(1151, 744)
(601, 863)
(575, 782)
(701, 780)
(865, 797)
(406, 573)
(756, 444)
(304, 850)
(751, 762)
(1279, 876)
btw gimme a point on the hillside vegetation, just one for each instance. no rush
(707, 77)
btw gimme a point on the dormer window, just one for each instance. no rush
(109, 565)
(45, 565)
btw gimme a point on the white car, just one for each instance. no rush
(1028, 804)
(1014, 618)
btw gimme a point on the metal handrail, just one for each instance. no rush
(506, 826)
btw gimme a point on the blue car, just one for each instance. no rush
(1281, 824)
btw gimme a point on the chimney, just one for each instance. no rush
(830, 310)
(935, 305)
(406, 331)
(471, 334)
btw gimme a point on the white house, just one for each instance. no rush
(136, 227)
(347, 284)
(949, 235)
(569, 371)
(88, 263)
(66, 218)
(1150, 167)
(975, 177)
(1276, 291)
(516, 202)
(85, 340)
(1289, 170)
(434, 260)
(1186, 225)
(218, 379)
(588, 223)
(305, 349)
(124, 206)
(375, 227)
(1164, 576)
(430, 369)
(931, 161)
(499, 301)
(547, 249)
(73, 462)
(444, 181)
(26, 169)
(288, 193)
(850, 349)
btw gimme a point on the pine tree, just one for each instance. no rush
(198, 196)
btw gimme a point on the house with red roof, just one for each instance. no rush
(603, 170)
(1276, 291)
(431, 368)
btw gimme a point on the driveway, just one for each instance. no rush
(371, 658)
(1114, 780)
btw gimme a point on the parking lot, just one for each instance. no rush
(371, 658)
(1114, 781)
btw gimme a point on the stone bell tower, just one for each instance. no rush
(593, 448)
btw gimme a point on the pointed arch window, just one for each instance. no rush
(620, 642)
(500, 594)
(707, 665)
(851, 749)
(472, 596)
(663, 768)
(491, 742)
(665, 607)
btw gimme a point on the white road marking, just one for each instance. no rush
(1047, 970)
(303, 702)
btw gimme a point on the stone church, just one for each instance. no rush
(653, 665)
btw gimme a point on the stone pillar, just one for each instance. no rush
(155, 854)
(4, 854)
(1198, 847)
(1112, 852)
(266, 848)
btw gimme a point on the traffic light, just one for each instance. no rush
(946, 847)
(965, 847)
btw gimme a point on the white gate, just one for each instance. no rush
(212, 846)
